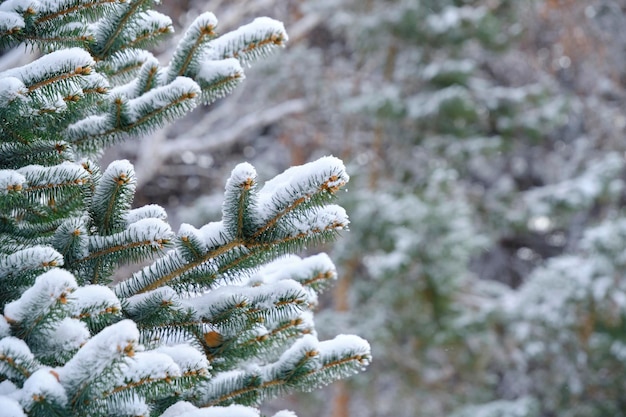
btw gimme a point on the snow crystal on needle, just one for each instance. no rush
(52, 284)
(10, 180)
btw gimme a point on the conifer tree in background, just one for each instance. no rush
(221, 319)
(477, 146)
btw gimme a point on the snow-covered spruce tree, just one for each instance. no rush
(221, 319)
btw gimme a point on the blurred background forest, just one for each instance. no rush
(485, 139)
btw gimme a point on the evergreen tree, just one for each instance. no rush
(220, 320)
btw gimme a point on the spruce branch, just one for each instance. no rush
(144, 346)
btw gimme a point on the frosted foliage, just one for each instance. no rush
(192, 323)
(90, 125)
(66, 60)
(153, 230)
(149, 364)
(581, 191)
(161, 97)
(212, 70)
(118, 171)
(241, 174)
(300, 182)
(294, 267)
(428, 104)
(231, 45)
(263, 297)
(151, 211)
(150, 18)
(307, 346)
(150, 231)
(43, 383)
(67, 172)
(133, 406)
(324, 218)
(185, 409)
(52, 6)
(47, 290)
(345, 342)
(112, 344)
(28, 259)
(205, 20)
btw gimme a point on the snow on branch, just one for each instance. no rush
(250, 42)
(17, 362)
(51, 180)
(55, 67)
(185, 60)
(32, 258)
(218, 78)
(11, 181)
(50, 289)
(113, 196)
(135, 242)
